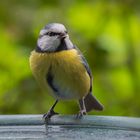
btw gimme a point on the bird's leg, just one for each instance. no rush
(82, 109)
(51, 112)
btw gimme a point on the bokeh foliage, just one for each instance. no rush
(107, 32)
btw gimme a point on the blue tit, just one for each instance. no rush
(59, 67)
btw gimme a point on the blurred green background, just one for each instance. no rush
(107, 32)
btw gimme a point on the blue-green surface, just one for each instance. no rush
(68, 128)
(66, 133)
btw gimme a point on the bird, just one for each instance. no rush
(61, 69)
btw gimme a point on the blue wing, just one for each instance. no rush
(90, 101)
(85, 63)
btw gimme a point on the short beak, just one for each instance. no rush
(63, 35)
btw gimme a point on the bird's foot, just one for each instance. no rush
(81, 114)
(49, 114)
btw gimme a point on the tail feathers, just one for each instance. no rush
(92, 103)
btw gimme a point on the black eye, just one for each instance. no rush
(52, 33)
(66, 32)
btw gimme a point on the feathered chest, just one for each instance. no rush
(65, 67)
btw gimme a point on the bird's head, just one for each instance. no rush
(51, 36)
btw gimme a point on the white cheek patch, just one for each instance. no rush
(46, 43)
(42, 32)
(68, 43)
(42, 42)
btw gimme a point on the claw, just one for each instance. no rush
(49, 114)
(81, 114)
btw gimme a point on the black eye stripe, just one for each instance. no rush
(52, 33)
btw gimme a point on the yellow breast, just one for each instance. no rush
(70, 76)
